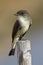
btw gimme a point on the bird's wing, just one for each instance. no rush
(15, 29)
(29, 26)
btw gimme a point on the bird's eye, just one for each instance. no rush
(22, 13)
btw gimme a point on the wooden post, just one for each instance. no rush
(23, 52)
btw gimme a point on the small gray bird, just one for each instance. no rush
(21, 26)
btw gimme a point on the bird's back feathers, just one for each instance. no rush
(16, 27)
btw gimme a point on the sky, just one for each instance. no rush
(35, 34)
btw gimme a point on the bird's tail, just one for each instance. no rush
(12, 52)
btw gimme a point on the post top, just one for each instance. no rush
(24, 45)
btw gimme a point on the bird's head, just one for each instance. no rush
(23, 14)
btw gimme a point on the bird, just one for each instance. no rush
(22, 25)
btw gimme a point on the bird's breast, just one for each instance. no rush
(25, 24)
(24, 21)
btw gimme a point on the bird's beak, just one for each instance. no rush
(15, 14)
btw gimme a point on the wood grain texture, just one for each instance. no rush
(23, 52)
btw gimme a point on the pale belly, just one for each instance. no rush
(22, 31)
(25, 25)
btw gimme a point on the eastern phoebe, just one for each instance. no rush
(21, 26)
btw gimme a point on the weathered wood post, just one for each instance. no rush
(23, 52)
